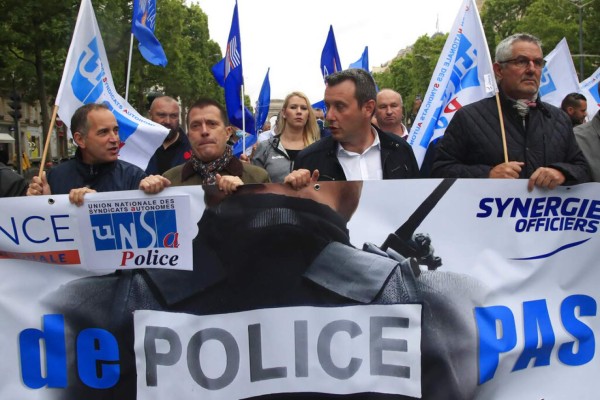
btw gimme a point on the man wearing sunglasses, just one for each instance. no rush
(540, 142)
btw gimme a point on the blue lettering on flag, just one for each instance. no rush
(464, 71)
(464, 75)
(546, 83)
(594, 92)
(133, 230)
(126, 126)
(87, 80)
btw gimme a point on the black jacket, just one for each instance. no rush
(108, 177)
(472, 143)
(397, 158)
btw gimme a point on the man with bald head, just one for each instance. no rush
(389, 113)
(176, 148)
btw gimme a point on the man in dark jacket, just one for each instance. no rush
(356, 150)
(539, 137)
(96, 166)
(176, 148)
(212, 161)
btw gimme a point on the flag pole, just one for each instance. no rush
(47, 144)
(502, 130)
(128, 69)
(243, 122)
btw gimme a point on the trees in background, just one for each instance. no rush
(35, 38)
(550, 20)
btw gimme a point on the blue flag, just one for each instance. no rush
(264, 100)
(142, 26)
(218, 71)
(330, 59)
(363, 61)
(233, 76)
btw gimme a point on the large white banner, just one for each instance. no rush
(87, 79)
(466, 289)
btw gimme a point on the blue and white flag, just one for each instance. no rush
(87, 79)
(559, 77)
(330, 59)
(463, 75)
(263, 103)
(363, 61)
(233, 77)
(589, 88)
(142, 26)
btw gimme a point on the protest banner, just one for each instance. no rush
(435, 289)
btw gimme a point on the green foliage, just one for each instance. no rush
(35, 37)
(410, 74)
(549, 20)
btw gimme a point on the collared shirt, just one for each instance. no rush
(362, 167)
(404, 132)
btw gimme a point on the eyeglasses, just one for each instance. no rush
(524, 62)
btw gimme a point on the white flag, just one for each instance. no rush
(589, 88)
(463, 75)
(558, 76)
(87, 79)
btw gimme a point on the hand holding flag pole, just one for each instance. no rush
(48, 136)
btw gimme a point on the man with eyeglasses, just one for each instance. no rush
(176, 148)
(540, 142)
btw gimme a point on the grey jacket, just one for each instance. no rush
(271, 156)
(588, 138)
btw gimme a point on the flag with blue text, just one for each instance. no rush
(590, 89)
(559, 77)
(363, 61)
(142, 26)
(463, 75)
(330, 59)
(264, 100)
(87, 79)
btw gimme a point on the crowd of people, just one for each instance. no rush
(363, 137)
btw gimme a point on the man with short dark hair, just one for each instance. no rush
(176, 148)
(96, 166)
(575, 105)
(539, 137)
(212, 161)
(356, 150)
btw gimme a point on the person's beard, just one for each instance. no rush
(172, 135)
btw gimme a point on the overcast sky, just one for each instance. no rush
(288, 36)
